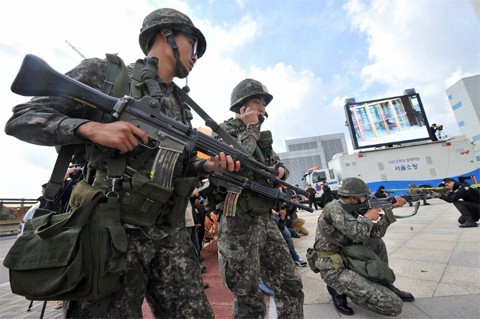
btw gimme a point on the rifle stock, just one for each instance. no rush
(37, 78)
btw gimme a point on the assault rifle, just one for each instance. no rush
(384, 204)
(37, 78)
(236, 183)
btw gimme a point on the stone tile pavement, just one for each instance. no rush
(432, 257)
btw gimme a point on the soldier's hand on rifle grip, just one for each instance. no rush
(280, 172)
(373, 214)
(221, 162)
(399, 202)
(119, 135)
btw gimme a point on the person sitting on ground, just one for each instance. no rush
(279, 218)
(292, 221)
(465, 198)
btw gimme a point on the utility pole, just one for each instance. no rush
(74, 48)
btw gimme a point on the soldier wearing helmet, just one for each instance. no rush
(349, 221)
(247, 226)
(161, 264)
(166, 25)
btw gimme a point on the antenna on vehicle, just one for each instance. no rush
(75, 49)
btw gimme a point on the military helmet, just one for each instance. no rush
(246, 89)
(353, 187)
(167, 18)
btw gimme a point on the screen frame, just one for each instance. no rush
(350, 103)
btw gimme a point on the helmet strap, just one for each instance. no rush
(180, 70)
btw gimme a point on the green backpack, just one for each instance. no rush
(72, 256)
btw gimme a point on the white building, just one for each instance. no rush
(464, 97)
(308, 152)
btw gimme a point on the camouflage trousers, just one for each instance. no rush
(164, 271)
(363, 292)
(250, 248)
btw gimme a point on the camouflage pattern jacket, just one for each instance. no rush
(250, 139)
(52, 121)
(346, 228)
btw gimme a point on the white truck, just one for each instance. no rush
(422, 164)
(316, 175)
(397, 148)
(397, 168)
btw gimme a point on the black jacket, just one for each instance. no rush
(461, 191)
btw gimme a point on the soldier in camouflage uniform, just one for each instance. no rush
(349, 226)
(161, 262)
(250, 244)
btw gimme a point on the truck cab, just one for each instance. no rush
(316, 175)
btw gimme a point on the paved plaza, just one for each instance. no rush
(432, 258)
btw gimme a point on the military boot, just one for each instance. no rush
(469, 222)
(404, 295)
(340, 302)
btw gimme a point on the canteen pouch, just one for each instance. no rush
(311, 259)
(77, 255)
(144, 202)
(365, 262)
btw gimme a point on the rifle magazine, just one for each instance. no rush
(163, 166)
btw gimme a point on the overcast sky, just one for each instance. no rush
(311, 54)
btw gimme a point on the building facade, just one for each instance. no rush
(308, 152)
(464, 97)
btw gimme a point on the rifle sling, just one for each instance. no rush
(210, 122)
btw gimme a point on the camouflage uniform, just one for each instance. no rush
(348, 228)
(161, 260)
(251, 246)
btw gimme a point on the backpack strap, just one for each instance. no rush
(116, 77)
(116, 84)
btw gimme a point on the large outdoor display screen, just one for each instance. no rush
(388, 121)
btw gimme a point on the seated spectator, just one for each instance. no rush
(280, 221)
(292, 221)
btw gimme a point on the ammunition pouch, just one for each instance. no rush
(253, 204)
(143, 201)
(265, 140)
(177, 204)
(77, 255)
(362, 260)
(313, 255)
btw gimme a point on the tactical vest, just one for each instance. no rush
(249, 202)
(142, 200)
